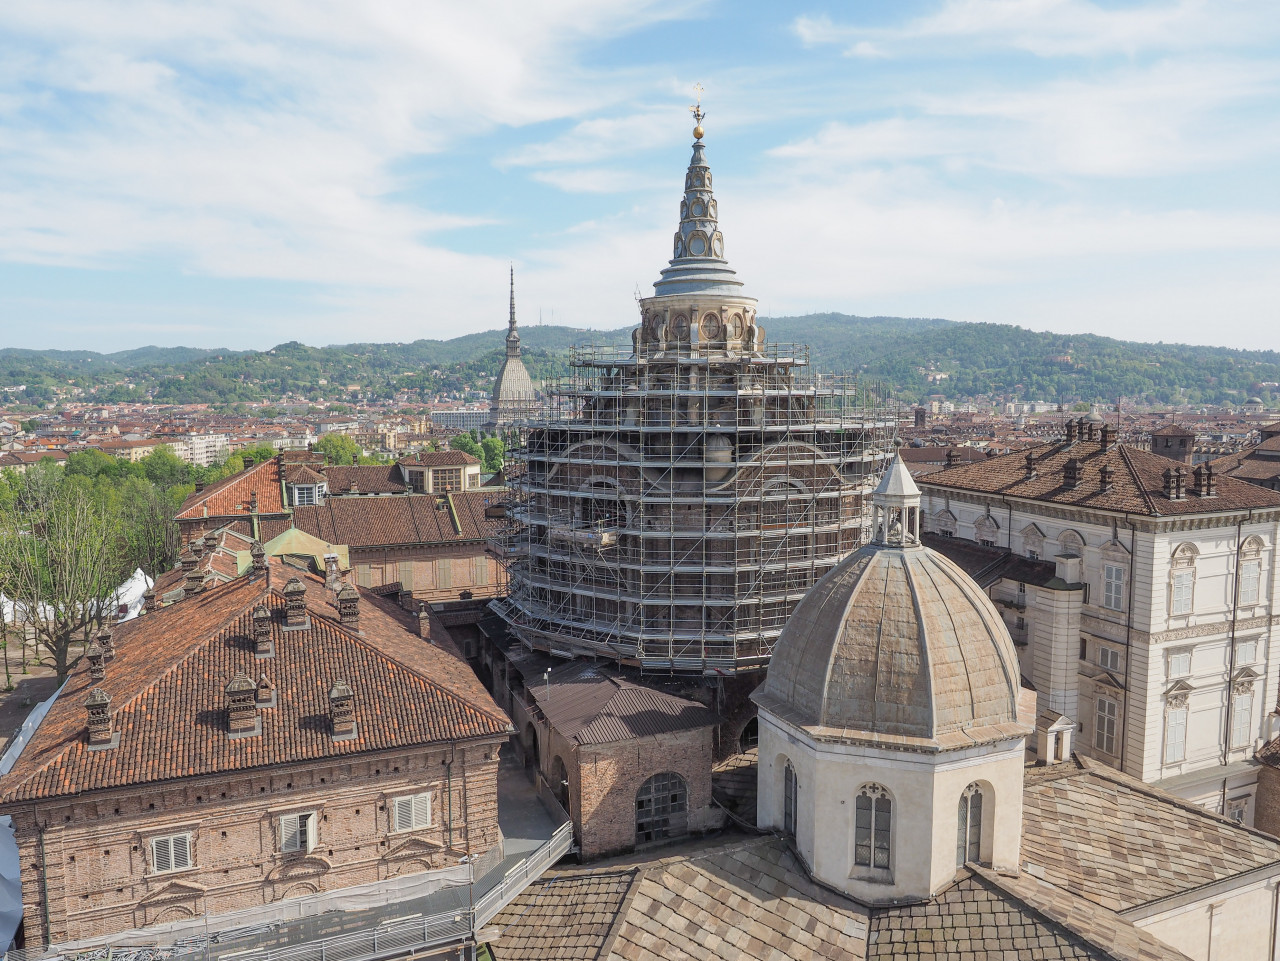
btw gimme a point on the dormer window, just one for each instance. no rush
(307, 495)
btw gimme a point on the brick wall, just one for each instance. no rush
(604, 778)
(434, 574)
(95, 853)
(1266, 801)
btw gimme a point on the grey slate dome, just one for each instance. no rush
(897, 642)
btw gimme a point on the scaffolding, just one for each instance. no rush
(670, 507)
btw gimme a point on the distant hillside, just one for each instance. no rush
(917, 357)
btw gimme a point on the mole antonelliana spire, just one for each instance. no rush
(513, 391)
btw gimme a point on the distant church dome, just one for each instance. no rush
(897, 641)
(514, 395)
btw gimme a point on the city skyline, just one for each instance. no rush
(241, 177)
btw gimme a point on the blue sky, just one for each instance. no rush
(240, 174)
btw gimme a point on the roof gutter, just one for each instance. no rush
(1171, 902)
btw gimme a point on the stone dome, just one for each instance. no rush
(897, 642)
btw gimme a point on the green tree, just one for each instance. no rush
(494, 452)
(338, 449)
(467, 444)
(164, 468)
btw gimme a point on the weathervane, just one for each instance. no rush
(696, 110)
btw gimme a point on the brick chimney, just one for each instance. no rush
(188, 560)
(265, 693)
(262, 643)
(258, 553)
(1105, 477)
(199, 486)
(197, 547)
(107, 643)
(1071, 473)
(342, 711)
(97, 662)
(1108, 436)
(1071, 432)
(349, 607)
(98, 706)
(148, 600)
(952, 458)
(295, 604)
(332, 576)
(1173, 481)
(242, 708)
(194, 582)
(253, 502)
(248, 462)
(1210, 482)
(1030, 462)
(211, 541)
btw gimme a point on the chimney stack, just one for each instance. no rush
(97, 665)
(1030, 461)
(342, 711)
(1173, 480)
(1071, 473)
(1108, 436)
(107, 643)
(349, 607)
(262, 646)
(248, 462)
(952, 458)
(188, 560)
(1210, 482)
(197, 548)
(332, 576)
(259, 555)
(265, 694)
(194, 582)
(424, 623)
(199, 486)
(242, 708)
(1104, 476)
(148, 600)
(295, 604)
(211, 541)
(1071, 432)
(98, 704)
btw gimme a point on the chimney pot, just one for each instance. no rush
(1108, 436)
(952, 458)
(188, 560)
(98, 706)
(349, 607)
(295, 603)
(258, 554)
(248, 462)
(265, 694)
(194, 582)
(107, 643)
(424, 623)
(199, 486)
(1030, 461)
(253, 502)
(1104, 475)
(342, 713)
(97, 662)
(211, 541)
(1071, 431)
(242, 709)
(148, 600)
(332, 576)
(262, 646)
(1210, 482)
(1071, 473)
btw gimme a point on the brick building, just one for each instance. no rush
(255, 740)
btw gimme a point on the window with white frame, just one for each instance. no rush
(1246, 651)
(1181, 592)
(1250, 577)
(1104, 731)
(171, 853)
(298, 832)
(1242, 719)
(411, 813)
(1113, 587)
(304, 495)
(1179, 663)
(1175, 734)
(1108, 658)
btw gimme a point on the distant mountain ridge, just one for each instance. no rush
(917, 357)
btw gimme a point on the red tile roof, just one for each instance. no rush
(167, 701)
(439, 458)
(231, 496)
(399, 519)
(1136, 475)
(368, 479)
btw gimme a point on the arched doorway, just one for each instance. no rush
(662, 808)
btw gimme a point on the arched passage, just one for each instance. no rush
(662, 808)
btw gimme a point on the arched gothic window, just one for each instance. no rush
(790, 793)
(662, 808)
(969, 826)
(872, 829)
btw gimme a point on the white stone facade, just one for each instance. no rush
(1168, 660)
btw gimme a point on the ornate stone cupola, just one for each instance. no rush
(698, 304)
(892, 721)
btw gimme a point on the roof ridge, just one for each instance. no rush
(1133, 472)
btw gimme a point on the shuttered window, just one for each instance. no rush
(1241, 720)
(297, 832)
(1182, 583)
(1250, 574)
(1175, 735)
(411, 813)
(171, 853)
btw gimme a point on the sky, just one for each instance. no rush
(240, 174)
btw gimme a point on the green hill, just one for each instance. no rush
(916, 357)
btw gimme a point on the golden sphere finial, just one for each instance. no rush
(697, 132)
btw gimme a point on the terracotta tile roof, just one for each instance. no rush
(301, 474)
(231, 495)
(399, 519)
(1120, 843)
(1137, 482)
(439, 458)
(367, 479)
(589, 705)
(1172, 430)
(166, 685)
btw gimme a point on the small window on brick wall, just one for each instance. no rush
(172, 853)
(298, 832)
(411, 813)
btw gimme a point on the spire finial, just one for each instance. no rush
(511, 322)
(696, 110)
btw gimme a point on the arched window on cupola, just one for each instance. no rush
(969, 826)
(790, 795)
(873, 828)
